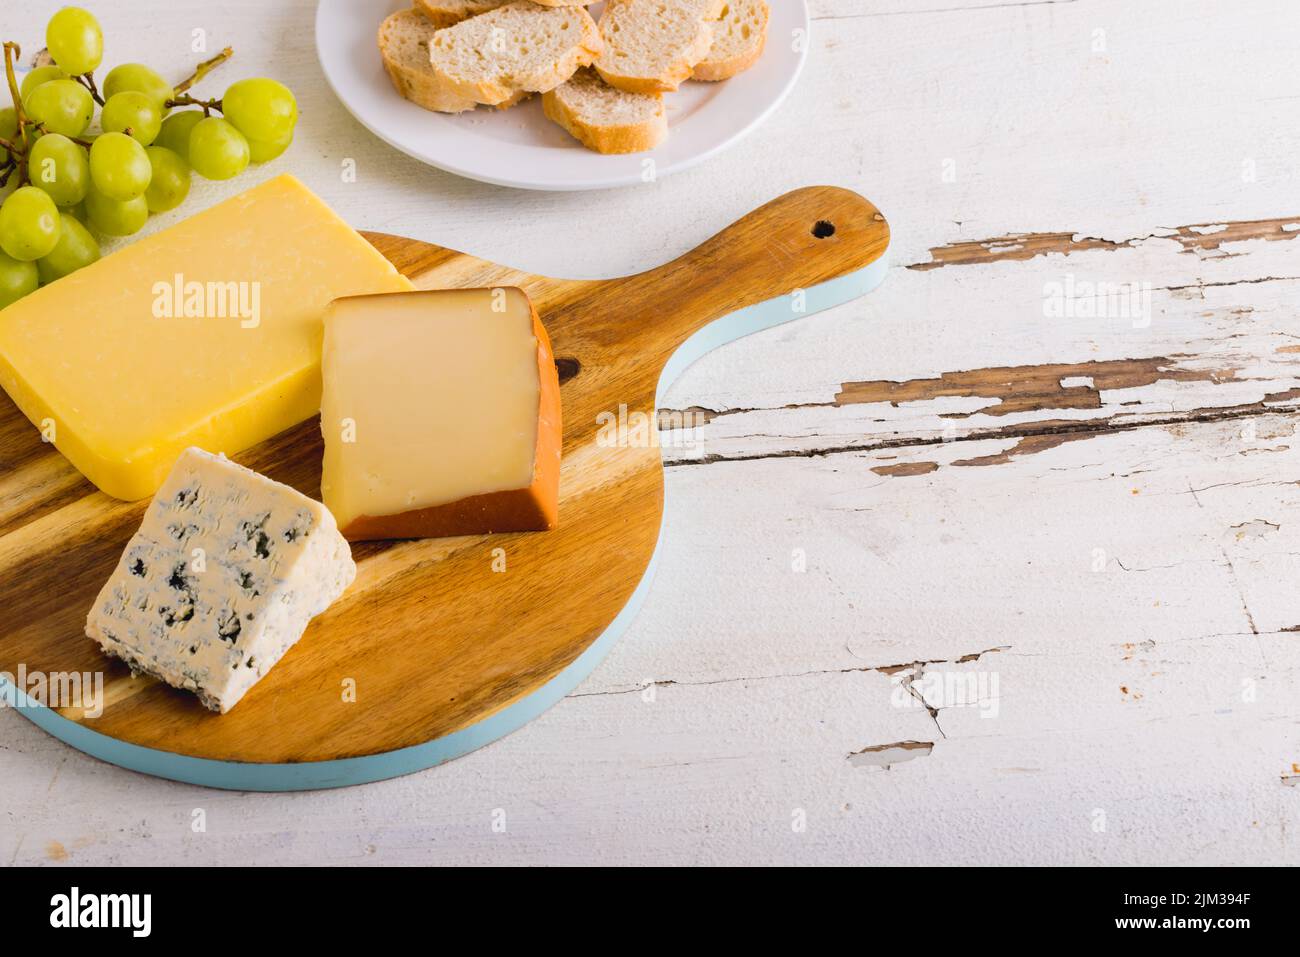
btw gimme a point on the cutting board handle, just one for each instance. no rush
(800, 240)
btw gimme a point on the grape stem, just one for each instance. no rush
(88, 81)
(12, 52)
(40, 128)
(186, 100)
(203, 69)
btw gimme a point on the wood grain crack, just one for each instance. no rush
(1228, 282)
(1088, 428)
(1198, 239)
(890, 670)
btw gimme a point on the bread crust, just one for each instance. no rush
(724, 68)
(419, 85)
(495, 90)
(448, 16)
(675, 72)
(605, 138)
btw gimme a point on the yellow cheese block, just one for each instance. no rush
(207, 333)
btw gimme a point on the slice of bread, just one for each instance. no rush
(520, 47)
(404, 45)
(651, 46)
(605, 119)
(448, 13)
(738, 39)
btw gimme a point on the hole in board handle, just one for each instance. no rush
(567, 367)
(824, 229)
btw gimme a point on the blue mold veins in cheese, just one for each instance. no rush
(224, 575)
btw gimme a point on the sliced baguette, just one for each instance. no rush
(739, 36)
(404, 45)
(651, 46)
(605, 119)
(520, 47)
(448, 13)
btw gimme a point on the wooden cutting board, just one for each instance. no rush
(440, 645)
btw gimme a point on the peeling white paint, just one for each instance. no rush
(884, 757)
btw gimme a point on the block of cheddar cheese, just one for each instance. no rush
(206, 333)
(441, 415)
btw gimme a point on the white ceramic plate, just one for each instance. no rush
(520, 146)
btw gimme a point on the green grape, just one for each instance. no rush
(113, 218)
(29, 224)
(261, 109)
(134, 111)
(59, 166)
(75, 248)
(119, 167)
(64, 106)
(75, 40)
(217, 150)
(170, 183)
(261, 151)
(42, 74)
(17, 279)
(175, 133)
(137, 77)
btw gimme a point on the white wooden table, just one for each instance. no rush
(983, 568)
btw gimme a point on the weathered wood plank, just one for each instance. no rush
(1178, 338)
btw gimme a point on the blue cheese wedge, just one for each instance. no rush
(224, 575)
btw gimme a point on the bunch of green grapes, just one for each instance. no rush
(66, 180)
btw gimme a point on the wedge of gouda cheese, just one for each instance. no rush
(207, 333)
(441, 415)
